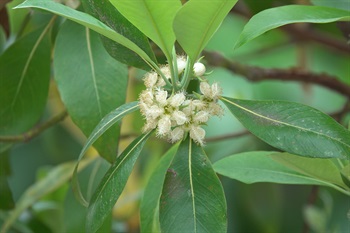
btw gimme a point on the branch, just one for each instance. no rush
(300, 34)
(341, 113)
(257, 74)
(27, 136)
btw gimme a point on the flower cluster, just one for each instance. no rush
(175, 115)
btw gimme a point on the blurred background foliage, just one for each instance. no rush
(251, 208)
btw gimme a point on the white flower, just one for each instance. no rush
(197, 134)
(198, 69)
(179, 117)
(177, 99)
(201, 117)
(166, 71)
(177, 134)
(175, 116)
(164, 125)
(161, 97)
(181, 64)
(146, 97)
(198, 104)
(161, 82)
(151, 79)
(205, 89)
(150, 124)
(154, 112)
(215, 109)
(216, 91)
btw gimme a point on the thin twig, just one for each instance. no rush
(227, 136)
(340, 114)
(301, 34)
(27, 136)
(257, 74)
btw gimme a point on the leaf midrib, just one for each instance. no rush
(284, 123)
(93, 73)
(191, 184)
(153, 21)
(103, 127)
(122, 162)
(207, 29)
(30, 57)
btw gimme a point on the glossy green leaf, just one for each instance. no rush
(258, 166)
(55, 179)
(322, 169)
(17, 18)
(153, 18)
(107, 122)
(197, 21)
(149, 209)
(104, 11)
(88, 21)
(292, 127)
(83, 66)
(112, 184)
(279, 16)
(192, 199)
(24, 82)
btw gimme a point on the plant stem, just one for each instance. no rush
(187, 74)
(27, 136)
(258, 74)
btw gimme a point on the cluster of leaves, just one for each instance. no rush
(184, 192)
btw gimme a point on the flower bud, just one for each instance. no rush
(181, 64)
(198, 69)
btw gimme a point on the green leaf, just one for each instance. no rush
(104, 11)
(88, 21)
(55, 179)
(192, 199)
(292, 127)
(279, 16)
(153, 18)
(6, 199)
(107, 122)
(2, 40)
(258, 166)
(24, 82)
(17, 18)
(197, 21)
(340, 4)
(149, 209)
(322, 169)
(83, 66)
(112, 184)
(345, 175)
